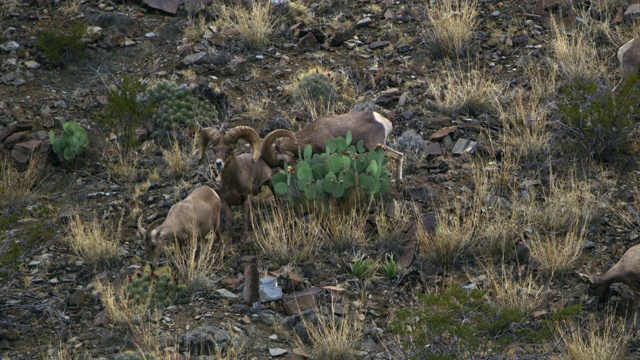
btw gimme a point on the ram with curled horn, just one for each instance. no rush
(242, 176)
(196, 215)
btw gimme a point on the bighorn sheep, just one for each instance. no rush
(244, 175)
(626, 271)
(368, 126)
(629, 57)
(197, 214)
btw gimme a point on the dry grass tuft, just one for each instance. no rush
(253, 23)
(510, 291)
(465, 92)
(556, 253)
(95, 242)
(451, 25)
(597, 340)
(195, 260)
(333, 337)
(453, 236)
(18, 186)
(125, 168)
(284, 236)
(345, 229)
(575, 54)
(125, 311)
(391, 218)
(178, 159)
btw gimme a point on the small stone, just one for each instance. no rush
(277, 351)
(364, 22)
(32, 64)
(227, 294)
(378, 44)
(9, 46)
(495, 13)
(632, 9)
(93, 33)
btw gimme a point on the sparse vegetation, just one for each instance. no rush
(252, 22)
(94, 242)
(597, 339)
(63, 45)
(448, 26)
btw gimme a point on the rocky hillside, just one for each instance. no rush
(476, 250)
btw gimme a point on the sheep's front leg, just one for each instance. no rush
(228, 219)
(246, 211)
(634, 308)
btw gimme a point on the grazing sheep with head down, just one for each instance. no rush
(196, 215)
(626, 271)
(244, 175)
(629, 57)
(368, 126)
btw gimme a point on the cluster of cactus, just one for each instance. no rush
(334, 173)
(159, 286)
(315, 87)
(71, 143)
(179, 106)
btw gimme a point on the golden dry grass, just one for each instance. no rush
(178, 159)
(125, 168)
(284, 236)
(94, 241)
(460, 91)
(595, 340)
(125, 311)
(509, 291)
(345, 229)
(449, 25)
(575, 54)
(196, 260)
(253, 23)
(18, 185)
(453, 237)
(333, 337)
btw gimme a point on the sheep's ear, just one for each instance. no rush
(586, 278)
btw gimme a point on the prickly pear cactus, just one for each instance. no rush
(333, 174)
(179, 106)
(71, 143)
(159, 286)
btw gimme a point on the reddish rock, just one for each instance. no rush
(22, 151)
(300, 301)
(442, 133)
(101, 319)
(17, 137)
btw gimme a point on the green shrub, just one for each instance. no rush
(599, 123)
(126, 111)
(56, 44)
(158, 286)
(71, 143)
(338, 173)
(179, 106)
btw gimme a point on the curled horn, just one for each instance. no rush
(207, 134)
(153, 225)
(141, 230)
(246, 133)
(267, 145)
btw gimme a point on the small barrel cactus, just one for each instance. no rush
(179, 106)
(317, 88)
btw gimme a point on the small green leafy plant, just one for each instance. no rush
(388, 267)
(71, 143)
(159, 286)
(57, 44)
(335, 174)
(362, 267)
(178, 106)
